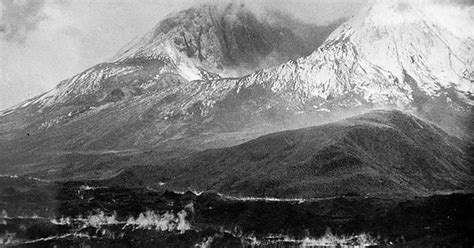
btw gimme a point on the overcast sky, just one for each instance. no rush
(45, 41)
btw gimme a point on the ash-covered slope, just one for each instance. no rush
(383, 153)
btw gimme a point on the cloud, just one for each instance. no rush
(454, 2)
(310, 11)
(20, 17)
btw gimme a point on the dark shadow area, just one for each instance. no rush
(101, 214)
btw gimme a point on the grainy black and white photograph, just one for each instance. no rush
(236, 123)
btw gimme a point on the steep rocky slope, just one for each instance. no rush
(229, 40)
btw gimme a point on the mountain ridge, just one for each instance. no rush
(384, 153)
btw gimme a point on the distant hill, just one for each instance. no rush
(378, 153)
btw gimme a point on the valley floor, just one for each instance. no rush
(88, 214)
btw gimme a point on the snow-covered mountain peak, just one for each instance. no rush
(387, 54)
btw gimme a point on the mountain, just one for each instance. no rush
(385, 53)
(392, 53)
(229, 40)
(381, 153)
(131, 103)
(203, 43)
(164, 94)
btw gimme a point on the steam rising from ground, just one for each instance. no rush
(150, 220)
(167, 221)
(170, 222)
(327, 240)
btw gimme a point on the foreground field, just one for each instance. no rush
(86, 214)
